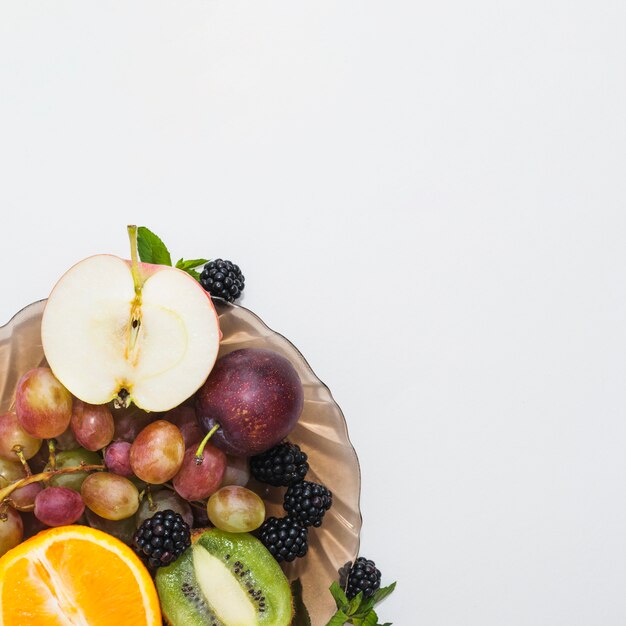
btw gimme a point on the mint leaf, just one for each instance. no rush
(355, 604)
(358, 611)
(366, 606)
(301, 616)
(381, 594)
(338, 619)
(151, 248)
(370, 619)
(339, 594)
(192, 264)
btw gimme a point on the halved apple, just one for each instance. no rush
(126, 331)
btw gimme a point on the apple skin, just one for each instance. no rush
(256, 397)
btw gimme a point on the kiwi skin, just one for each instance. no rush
(241, 548)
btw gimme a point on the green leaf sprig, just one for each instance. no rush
(301, 615)
(152, 250)
(358, 611)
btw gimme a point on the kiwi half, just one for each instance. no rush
(225, 579)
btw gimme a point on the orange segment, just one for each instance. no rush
(76, 576)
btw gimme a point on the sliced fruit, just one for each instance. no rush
(225, 578)
(132, 331)
(75, 575)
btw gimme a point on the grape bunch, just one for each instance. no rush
(63, 461)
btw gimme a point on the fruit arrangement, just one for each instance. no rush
(141, 440)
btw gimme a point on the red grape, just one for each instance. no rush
(130, 422)
(157, 453)
(92, 425)
(58, 506)
(117, 458)
(23, 498)
(12, 434)
(43, 405)
(185, 418)
(197, 481)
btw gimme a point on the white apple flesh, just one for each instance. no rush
(113, 329)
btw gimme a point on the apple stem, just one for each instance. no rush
(200, 450)
(134, 258)
(5, 492)
(122, 399)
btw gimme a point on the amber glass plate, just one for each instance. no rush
(321, 432)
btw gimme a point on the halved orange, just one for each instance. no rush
(76, 576)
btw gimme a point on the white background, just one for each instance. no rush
(427, 198)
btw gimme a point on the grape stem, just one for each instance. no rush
(20, 455)
(52, 457)
(200, 450)
(43, 477)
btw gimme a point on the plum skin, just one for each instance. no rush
(256, 397)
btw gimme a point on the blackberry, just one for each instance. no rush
(307, 502)
(222, 279)
(281, 466)
(363, 576)
(162, 538)
(284, 537)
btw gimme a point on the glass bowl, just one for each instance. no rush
(321, 432)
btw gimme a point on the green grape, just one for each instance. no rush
(73, 458)
(236, 509)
